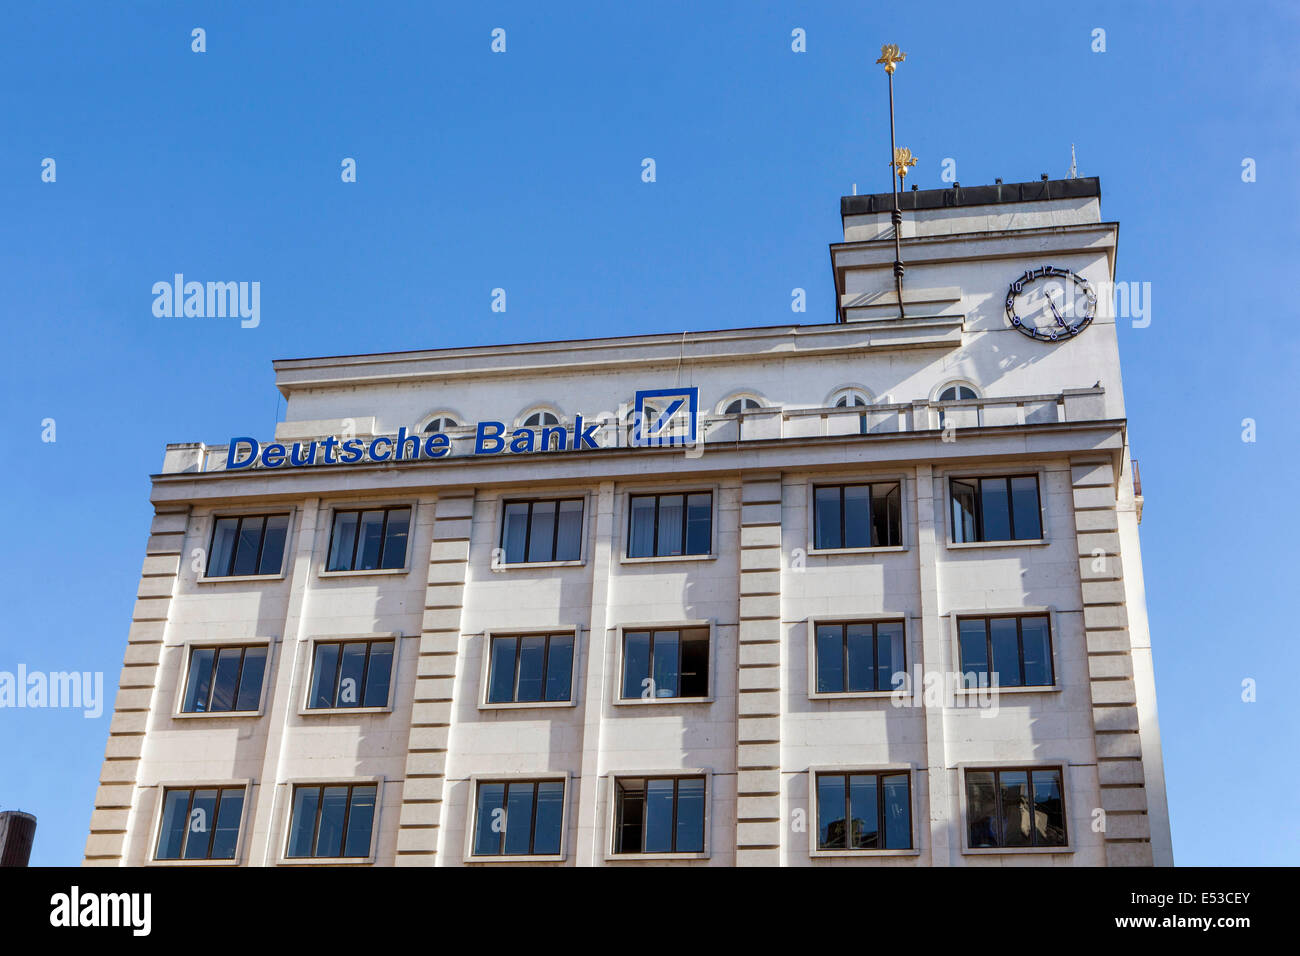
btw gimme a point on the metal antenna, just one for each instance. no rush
(1074, 167)
(900, 160)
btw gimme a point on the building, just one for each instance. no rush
(17, 834)
(864, 592)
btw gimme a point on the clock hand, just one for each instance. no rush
(1059, 321)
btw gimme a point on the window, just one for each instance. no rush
(518, 818)
(224, 680)
(200, 823)
(738, 406)
(957, 393)
(1015, 808)
(860, 657)
(534, 531)
(1019, 650)
(670, 525)
(541, 419)
(659, 815)
(852, 398)
(332, 821)
(247, 545)
(857, 516)
(669, 663)
(370, 539)
(996, 509)
(864, 811)
(350, 674)
(528, 668)
(439, 424)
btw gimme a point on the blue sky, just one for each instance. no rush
(522, 170)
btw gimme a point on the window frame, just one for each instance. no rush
(910, 654)
(334, 509)
(160, 803)
(188, 647)
(628, 494)
(611, 815)
(1038, 472)
(471, 817)
(914, 803)
(208, 533)
(573, 630)
(309, 665)
(1060, 764)
(617, 683)
(499, 522)
(1053, 640)
(286, 828)
(903, 528)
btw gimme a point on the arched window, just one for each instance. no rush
(957, 392)
(440, 423)
(742, 404)
(852, 398)
(540, 419)
(954, 392)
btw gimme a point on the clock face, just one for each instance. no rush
(1050, 304)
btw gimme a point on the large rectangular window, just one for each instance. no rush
(864, 811)
(351, 674)
(659, 815)
(996, 509)
(1015, 807)
(224, 680)
(533, 531)
(518, 818)
(860, 656)
(247, 545)
(661, 526)
(332, 821)
(531, 667)
(369, 540)
(200, 823)
(1006, 651)
(857, 516)
(667, 663)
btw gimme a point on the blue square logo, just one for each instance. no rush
(665, 416)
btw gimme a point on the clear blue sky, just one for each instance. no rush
(522, 171)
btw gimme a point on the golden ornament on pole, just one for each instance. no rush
(903, 158)
(891, 56)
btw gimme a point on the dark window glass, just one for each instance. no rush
(369, 540)
(351, 674)
(996, 509)
(666, 664)
(330, 822)
(860, 656)
(1019, 649)
(670, 525)
(530, 668)
(519, 818)
(659, 815)
(1015, 807)
(248, 545)
(540, 531)
(200, 824)
(864, 811)
(857, 516)
(224, 680)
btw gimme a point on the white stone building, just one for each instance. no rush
(750, 645)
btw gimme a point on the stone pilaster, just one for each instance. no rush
(758, 709)
(426, 759)
(117, 778)
(1120, 772)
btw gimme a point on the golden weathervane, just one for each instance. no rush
(903, 158)
(890, 55)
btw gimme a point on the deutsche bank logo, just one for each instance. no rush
(665, 416)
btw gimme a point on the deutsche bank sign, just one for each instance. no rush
(661, 417)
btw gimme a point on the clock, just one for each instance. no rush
(1050, 304)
